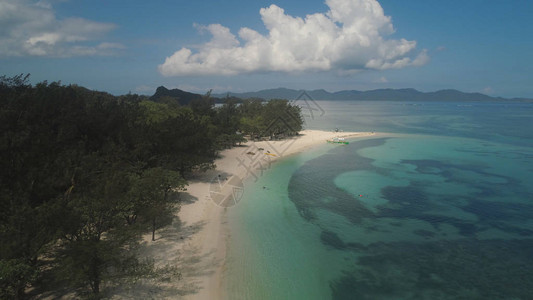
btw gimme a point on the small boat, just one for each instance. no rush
(338, 141)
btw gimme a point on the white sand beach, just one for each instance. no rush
(197, 243)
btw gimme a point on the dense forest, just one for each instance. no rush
(85, 174)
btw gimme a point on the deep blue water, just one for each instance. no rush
(498, 121)
(440, 208)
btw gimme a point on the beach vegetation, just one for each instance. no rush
(276, 118)
(85, 174)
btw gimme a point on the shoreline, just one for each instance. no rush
(197, 244)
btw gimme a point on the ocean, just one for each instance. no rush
(440, 206)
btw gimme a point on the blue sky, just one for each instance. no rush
(122, 46)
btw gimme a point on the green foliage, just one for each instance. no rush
(227, 125)
(203, 106)
(156, 190)
(158, 112)
(17, 82)
(275, 119)
(85, 174)
(14, 275)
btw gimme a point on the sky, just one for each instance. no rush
(135, 46)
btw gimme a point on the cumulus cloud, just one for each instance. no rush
(350, 37)
(382, 79)
(31, 28)
(487, 90)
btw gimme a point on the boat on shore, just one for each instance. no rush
(338, 140)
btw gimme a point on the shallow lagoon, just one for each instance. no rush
(440, 209)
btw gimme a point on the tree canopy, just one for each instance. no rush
(85, 174)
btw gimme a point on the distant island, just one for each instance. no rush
(408, 94)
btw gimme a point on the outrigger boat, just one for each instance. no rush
(338, 141)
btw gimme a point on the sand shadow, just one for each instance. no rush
(171, 236)
(183, 278)
(209, 176)
(180, 266)
(186, 198)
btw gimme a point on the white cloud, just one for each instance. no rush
(487, 90)
(31, 28)
(382, 79)
(421, 59)
(348, 38)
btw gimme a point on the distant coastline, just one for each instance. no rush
(407, 95)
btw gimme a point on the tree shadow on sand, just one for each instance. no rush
(173, 280)
(208, 176)
(179, 266)
(187, 198)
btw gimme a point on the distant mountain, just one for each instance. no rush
(279, 93)
(372, 95)
(183, 97)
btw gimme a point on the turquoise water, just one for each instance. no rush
(441, 208)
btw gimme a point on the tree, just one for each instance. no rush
(56, 142)
(227, 122)
(274, 118)
(29, 182)
(85, 174)
(156, 191)
(282, 117)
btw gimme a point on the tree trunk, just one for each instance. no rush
(95, 279)
(95, 286)
(96, 289)
(153, 229)
(20, 294)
